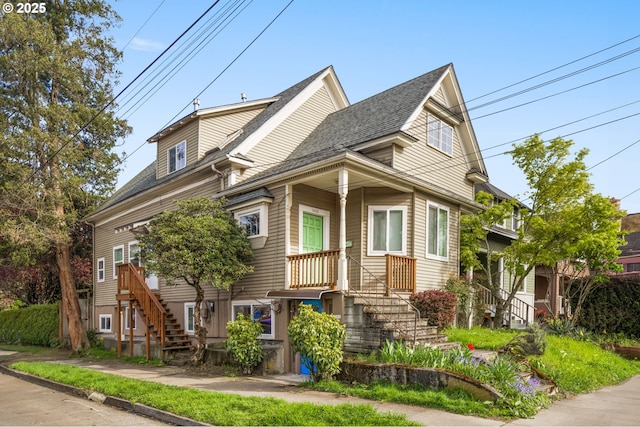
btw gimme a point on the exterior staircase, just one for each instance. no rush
(160, 323)
(380, 313)
(517, 316)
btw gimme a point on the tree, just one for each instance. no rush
(565, 220)
(198, 243)
(58, 133)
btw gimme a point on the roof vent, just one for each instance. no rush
(196, 104)
(243, 96)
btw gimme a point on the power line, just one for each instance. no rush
(143, 25)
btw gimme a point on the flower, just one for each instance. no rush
(470, 346)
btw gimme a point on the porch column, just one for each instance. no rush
(343, 189)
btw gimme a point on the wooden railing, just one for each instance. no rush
(130, 278)
(518, 308)
(401, 273)
(314, 269)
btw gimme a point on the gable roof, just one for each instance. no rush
(146, 179)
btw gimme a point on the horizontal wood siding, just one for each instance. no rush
(188, 133)
(214, 130)
(269, 263)
(432, 165)
(118, 232)
(383, 155)
(294, 129)
(384, 197)
(355, 229)
(433, 273)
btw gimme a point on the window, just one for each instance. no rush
(105, 323)
(260, 311)
(254, 220)
(439, 135)
(126, 319)
(387, 230)
(189, 317)
(134, 254)
(118, 258)
(437, 231)
(100, 270)
(633, 266)
(177, 157)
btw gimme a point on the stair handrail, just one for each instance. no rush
(388, 291)
(154, 311)
(516, 306)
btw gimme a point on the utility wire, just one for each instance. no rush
(143, 25)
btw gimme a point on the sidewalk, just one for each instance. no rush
(618, 405)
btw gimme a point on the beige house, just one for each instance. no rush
(349, 207)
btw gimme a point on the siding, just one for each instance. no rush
(214, 130)
(280, 142)
(319, 199)
(189, 133)
(433, 165)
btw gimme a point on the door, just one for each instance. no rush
(312, 233)
(305, 364)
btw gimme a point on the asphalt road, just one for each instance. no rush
(25, 404)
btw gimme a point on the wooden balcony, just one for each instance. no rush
(316, 269)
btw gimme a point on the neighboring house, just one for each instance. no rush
(630, 253)
(522, 309)
(348, 207)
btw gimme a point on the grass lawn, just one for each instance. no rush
(213, 407)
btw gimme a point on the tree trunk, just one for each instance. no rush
(200, 331)
(70, 303)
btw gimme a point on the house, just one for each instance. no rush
(350, 208)
(630, 253)
(522, 310)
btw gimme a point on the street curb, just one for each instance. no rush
(115, 402)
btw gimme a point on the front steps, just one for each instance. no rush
(373, 319)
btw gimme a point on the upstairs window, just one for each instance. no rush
(118, 258)
(254, 220)
(177, 157)
(100, 269)
(439, 135)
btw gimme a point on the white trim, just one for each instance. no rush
(125, 320)
(105, 316)
(113, 259)
(179, 165)
(99, 270)
(133, 243)
(386, 208)
(253, 303)
(263, 219)
(326, 223)
(188, 305)
(427, 253)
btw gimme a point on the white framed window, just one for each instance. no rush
(254, 220)
(437, 231)
(259, 311)
(177, 157)
(105, 323)
(439, 134)
(118, 258)
(100, 270)
(189, 318)
(126, 319)
(134, 253)
(387, 230)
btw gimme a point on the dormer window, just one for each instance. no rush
(177, 157)
(439, 134)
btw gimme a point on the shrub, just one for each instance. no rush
(243, 343)
(33, 325)
(318, 337)
(437, 306)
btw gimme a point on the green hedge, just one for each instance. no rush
(33, 325)
(613, 308)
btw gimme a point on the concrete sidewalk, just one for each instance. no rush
(618, 405)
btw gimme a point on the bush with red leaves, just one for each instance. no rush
(437, 306)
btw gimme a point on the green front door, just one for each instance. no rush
(312, 233)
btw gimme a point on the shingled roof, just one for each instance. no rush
(380, 115)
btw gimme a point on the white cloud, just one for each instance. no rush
(146, 45)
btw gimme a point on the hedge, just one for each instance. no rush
(33, 325)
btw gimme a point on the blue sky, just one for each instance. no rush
(376, 44)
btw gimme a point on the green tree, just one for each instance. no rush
(565, 220)
(198, 243)
(56, 157)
